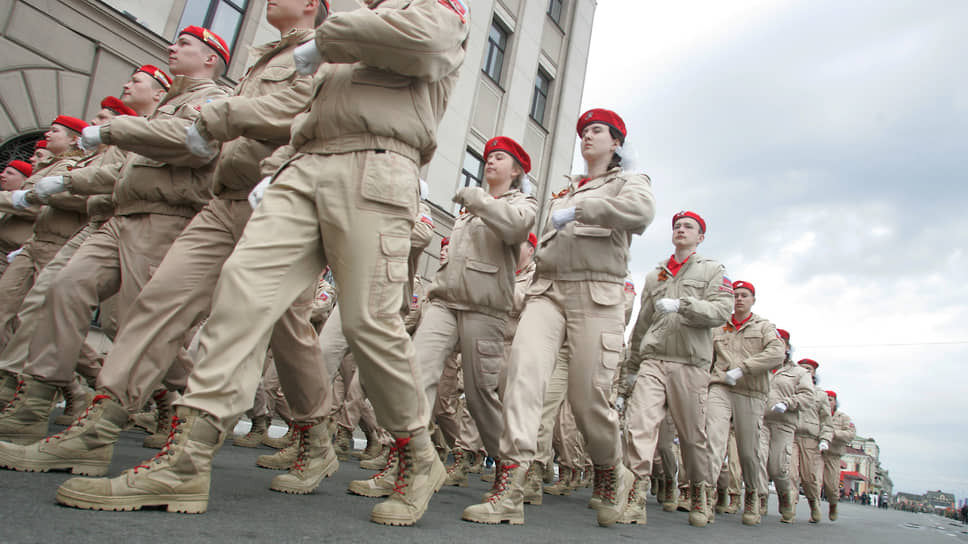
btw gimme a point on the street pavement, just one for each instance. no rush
(243, 509)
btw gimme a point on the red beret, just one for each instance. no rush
(160, 76)
(532, 239)
(691, 215)
(72, 123)
(117, 106)
(810, 362)
(23, 167)
(605, 117)
(783, 334)
(740, 284)
(210, 39)
(509, 146)
(831, 394)
(41, 144)
(445, 241)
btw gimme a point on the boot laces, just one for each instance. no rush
(404, 461)
(80, 420)
(300, 461)
(391, 458)
(605, 482)
(501, 481)
(166, 449)
(458, 459)
(16, 394)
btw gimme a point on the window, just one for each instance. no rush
(472, 174)
(542, 85)
(497, 43)
(223, 17)
(19, 148)
(554, 10)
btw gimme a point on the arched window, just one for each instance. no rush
(19, 148)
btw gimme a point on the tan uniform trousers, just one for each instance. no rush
(554, 397)
(746, 414)
(565, 316)
(807, 466)
(120, 257)
(731, 472)
(469, 437)
(776, 455)
(269, 397)
(568, 440)
(667, 450)
(447, 406)
(357, 410)
(831, 477)
(14, 356)
(18, 279)
(353, 211)
(480, 338)
(681, 390)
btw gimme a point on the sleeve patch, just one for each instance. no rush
(457, 6)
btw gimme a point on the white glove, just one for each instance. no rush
(13, 254)
(255, 195)
(732, 376)
(50, 185)
(779, 407)
(19, 199)
(667, 305)
(620, 404)
(824, 445)
(307, 58)
(90, 138)
(424, 190)
(560, 218)
(196, 144)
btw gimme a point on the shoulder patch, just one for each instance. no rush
(457, 6)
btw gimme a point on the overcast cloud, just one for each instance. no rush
(825, 144)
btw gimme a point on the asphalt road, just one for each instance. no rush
(243, 509)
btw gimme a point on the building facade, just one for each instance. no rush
(523, 76)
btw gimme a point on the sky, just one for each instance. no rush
(825, 144)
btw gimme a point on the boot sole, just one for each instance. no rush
(271, 466)
(22, 439)
(405, 522)
(82, 468)
(632, 521)
(185, 504)
(368, 492)
(536, 501)
(516, 519)
(304, 488)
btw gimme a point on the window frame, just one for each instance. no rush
(560, 4)
(492, 46)
(545, 94)
(213, 6)
(466, 176)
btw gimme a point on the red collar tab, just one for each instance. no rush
(674, 266)
(738, 324)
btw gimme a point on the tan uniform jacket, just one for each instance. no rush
(522, 280)
(815, 421)
(755, 348)
(258, 119)
(609, 209)
(417, 300)
(684, 336)
(841, 431)
(324, 301)
(160, 175)
(484, 247)
(374, 54)
(421, 234)
(65, 213)
(790, 385)
(16, 226)
(95, 176)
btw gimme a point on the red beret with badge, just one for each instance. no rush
(41, 144)
(533, 239)
(23, 167)
(810, 362)
(691, 215)
(605, 117)
(117, 106)
(210, 39)
(158, 74)
(509, 146)
(740, 284)
(783, 334)
(832, 394)
(73, 123)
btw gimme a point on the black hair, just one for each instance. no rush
(616, 158)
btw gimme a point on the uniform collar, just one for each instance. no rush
(674, 266)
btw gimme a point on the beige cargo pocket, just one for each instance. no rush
(612, 343)
(389, 184)
(606, 293)
(390, 275)
(490, 357)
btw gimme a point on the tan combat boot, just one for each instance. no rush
(420, 474)
(655, 487)
(668, 497)
(378, 462)
(751, 508)
(282, 459)
(24, 420)
(710, 505)
(549, 473)
(255, 436)
(635, 511)
(733, 503)
(476, 463)
(832, 513)
(595, 502)
(177, 478)
(533, 486)
(784, 496)
(315, 461)
(343, 443)
(85, 447)
(563, 485)
(373, 445)
(616, 483)
(165, 400)
(504, 501)
(697, 506)
(684, 503)
(722, 501)
(76, 399)
(380, 484)
(146, 421)
(8, 386)
(281, 442)
(457, 472)
(815, 515)
(764, 504)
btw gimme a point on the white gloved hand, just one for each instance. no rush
(732, 376)
(50, 185)
(196, 144)
(667, 305)
(620, 404)
(90, 138)
(824, 445)
(307, 58)
(19, 199)
(560, 218)
(779, 407)
(424, 190)
(13, 254)
(255, 195)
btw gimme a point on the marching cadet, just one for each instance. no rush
(14, 174)
(671, 350)
(15, 229)
(812, 438)
(141, 95)
(575, 302)
(746, 348)
(157, 193)
(842, 431)
(347, 191)
(42, 156)
(791, 391)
